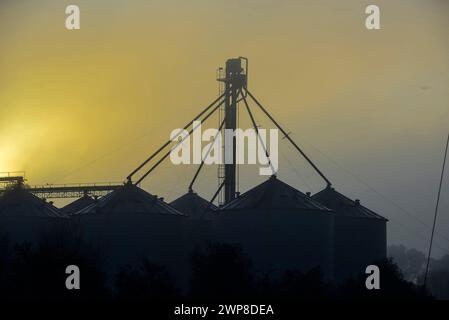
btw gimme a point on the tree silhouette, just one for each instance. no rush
(310, 285)
(411, 261)
(146, 281)
(38, 271)
(393, 286)
(222, 272)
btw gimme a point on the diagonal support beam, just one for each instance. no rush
(257, 132)
(129, 177)
(179, 142)
(213, 198)
(207, 154)
(328, 183)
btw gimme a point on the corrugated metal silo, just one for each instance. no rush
(194, 206)
(130, 224)
(198, 228)
(279, 227)
(360, 234)
(77, 205)
(25, 217)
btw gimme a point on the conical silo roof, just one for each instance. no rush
(130, 199)
(193, 205)
(279, 227)
(19, 202)
(343, 205)
(274, 194)
(77, 205)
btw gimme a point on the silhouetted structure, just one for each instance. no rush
(198, 226)
(279, 228)
(77, 205)
(194, 206)
(130, 224)
(235, 80)
(360, 235)
(25, 217)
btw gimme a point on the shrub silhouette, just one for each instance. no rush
(146, 281)
(438, 283)
(310, 285)
(393, 286)
(38, 271)
(221, 272)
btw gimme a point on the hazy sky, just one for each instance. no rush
(370, 107)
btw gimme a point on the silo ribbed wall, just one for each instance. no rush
(128, 238)
(29, 229)
(280, 239)
(359, 242)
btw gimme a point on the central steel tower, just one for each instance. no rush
(235, 78)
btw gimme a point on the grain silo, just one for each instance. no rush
(25, 217)
(194, 206)
(279, 228)
(130, 224)
(198, 227)
(360, 234)
(77, 205)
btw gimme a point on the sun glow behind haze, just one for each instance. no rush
(89, 105)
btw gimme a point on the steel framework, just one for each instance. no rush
(49, 191)
(235, 90)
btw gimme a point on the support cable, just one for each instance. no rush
(289, 139)
(436, 212)
(169, 141)
(179, 142)
(381, 195)
(257, 132)
(207, 155)
(213, 198)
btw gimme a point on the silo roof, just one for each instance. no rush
(19, 202)
(193, 205)
(343, 205)
(77, 205)
(274, 194)
(130, 199)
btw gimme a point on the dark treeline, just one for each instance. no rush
(38, 271)
(413, 262)
(218, 273)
